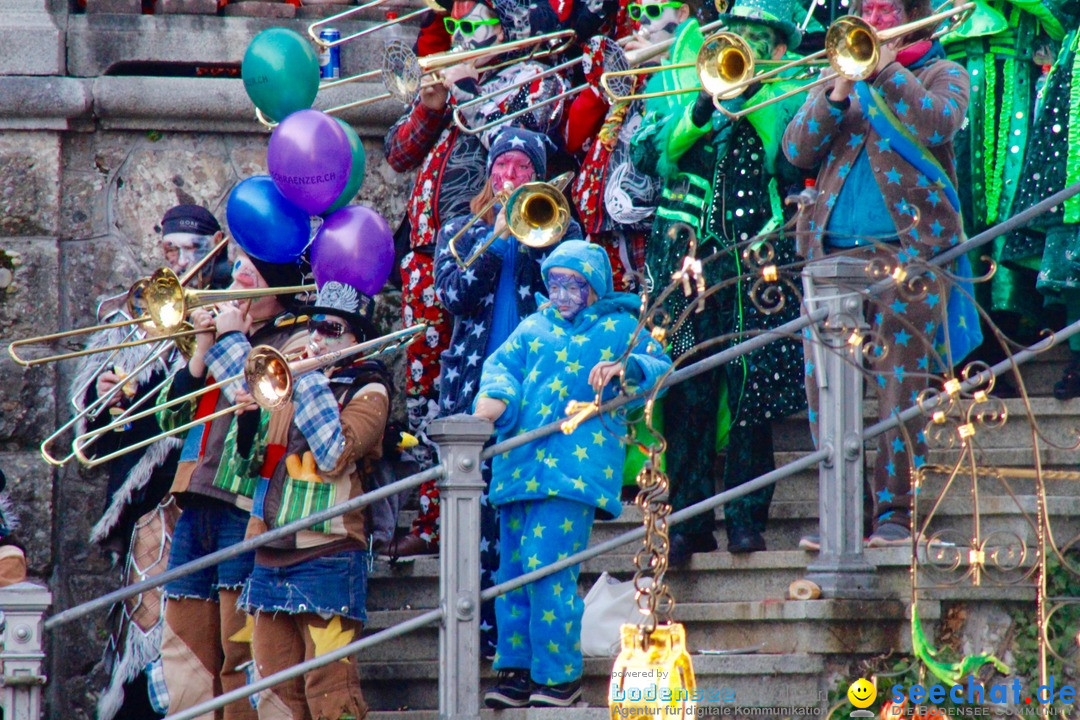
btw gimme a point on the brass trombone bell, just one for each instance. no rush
(168, 302)
(402, 69)
(852, 47)
(271, 379)
(136, 305)
(537, 214)
(269, 374)
(724, 60)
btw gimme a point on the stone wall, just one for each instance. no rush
(88, 164)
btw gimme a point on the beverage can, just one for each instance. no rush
(330, 57)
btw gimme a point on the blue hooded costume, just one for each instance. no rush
(548, 490)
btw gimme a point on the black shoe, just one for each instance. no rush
(744, 540)
(564, 695)
(1068, 387)
(512, 690)
(684, 545)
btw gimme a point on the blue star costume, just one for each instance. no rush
(547, 491)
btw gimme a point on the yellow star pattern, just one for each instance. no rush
(540, 454)
(533, 375)
(243, 635)
(598, 438)
(552, 462)
(580, 339)
(568, 668)
(561, 355)
(534, 562)
(330, 637)
(516, 474)
(567, 525)
(531, 486)
(606, 354)
(535, 345)
(552, 646)
(609, 324)
(545, 410)
(549, 616)
(538, 531)
(516, 640)
(558, 331)
(574, 367)
(569, 626)
(555, 385)
(515, 524)
(602, 502)
(556, 589)
(579, 484)
(587, 268)
(580, 453)
(609, 472)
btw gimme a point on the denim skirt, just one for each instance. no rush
(331, 585)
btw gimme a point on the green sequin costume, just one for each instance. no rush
(728, 187)
(1051, 243)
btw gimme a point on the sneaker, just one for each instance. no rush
(889, 535)
(810, 543)
(564, 695)
(1068, 386)
(683, 545)
(742, 541)
(512, 690)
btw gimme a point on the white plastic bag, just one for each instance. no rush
(608, 606)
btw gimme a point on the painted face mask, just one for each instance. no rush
(761, 39)
(658, 19)
(883, 14)
(477, 29)
(513, 167)
(568, 292)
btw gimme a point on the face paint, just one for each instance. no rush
(245, 276)
(484, 33)
(321, 334)
(568, 291)
(662, 27)
(883, 14)
(760, 38)
(513, 167)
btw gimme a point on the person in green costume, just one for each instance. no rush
(1007, 48)
(1051, 243)
(725, 180)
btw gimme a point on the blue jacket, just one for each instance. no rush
(469, 295)
(542, 367)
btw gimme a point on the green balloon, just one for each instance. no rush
(356, 174)
(280, 72)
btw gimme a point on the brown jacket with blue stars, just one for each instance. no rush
(931, 101)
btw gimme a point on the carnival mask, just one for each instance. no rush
(568, 291)
(479, 28)
(658, 19)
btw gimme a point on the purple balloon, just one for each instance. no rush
(310, 159)
(353, 246)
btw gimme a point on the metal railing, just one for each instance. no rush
(840, 570)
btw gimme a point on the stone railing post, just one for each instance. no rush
(840, 570)
(23, 606)
(460, 439)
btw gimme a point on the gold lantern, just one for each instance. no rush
(653, 676)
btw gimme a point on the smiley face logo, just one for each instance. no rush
(862, 693)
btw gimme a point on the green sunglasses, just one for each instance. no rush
(465, 26)
(651, 11)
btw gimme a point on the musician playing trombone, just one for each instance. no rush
(139, 480)
(883, 151)
(724, 180)
(307, 592)
(206, 641)
(451, 172)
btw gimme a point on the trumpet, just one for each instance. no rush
(268, 374)
(852, 49)
(135, 303)
(537, 214)
(402, 69)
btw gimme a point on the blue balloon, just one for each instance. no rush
(264, 223)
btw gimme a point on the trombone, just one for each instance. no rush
(619, 59)
(134, 302)
(852, 48)
(402, 69)
(267, 372)
(537, 214)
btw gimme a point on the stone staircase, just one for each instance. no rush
(744, 635)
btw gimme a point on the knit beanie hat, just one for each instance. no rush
(587, 258)
(533, 144)
(193, 219)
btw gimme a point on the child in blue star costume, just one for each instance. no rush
(547, 491)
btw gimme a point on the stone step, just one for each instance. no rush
(772, 626)
(756, 679)
(707, 578)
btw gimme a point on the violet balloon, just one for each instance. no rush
(310, 159)
(353, 246)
